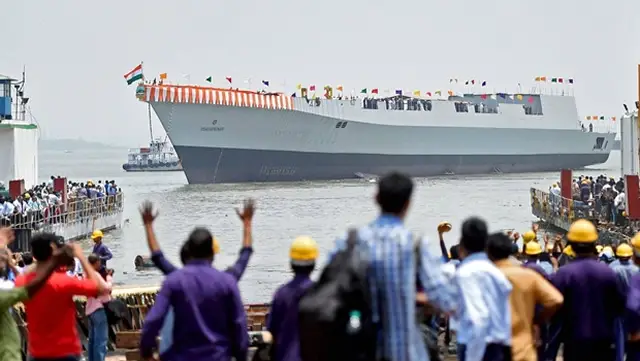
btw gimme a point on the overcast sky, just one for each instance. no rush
(76, 51)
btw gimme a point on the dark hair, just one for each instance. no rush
(41, 245)
(474, 235)
(303, 270)
(184, 253)
(394, 192)
(27, 258)
(455, 251)
(515, 250)
(499, 246)
(200, 243)
(583, 249)
(93, 258)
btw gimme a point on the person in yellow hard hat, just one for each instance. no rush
(567, 256)
(593, 300)
(527, 237)
(607, 255)
(532, 252)
(283, 316)
(625, 270)
(623, 266)
(101, 250)
(632, 320)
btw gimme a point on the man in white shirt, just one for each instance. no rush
(7, 209)
(620, 203)
(484, 313)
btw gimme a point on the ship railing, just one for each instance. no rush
(76, 210)
(560, 211)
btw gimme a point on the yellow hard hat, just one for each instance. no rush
(582, 231)
(569, 251)
(532, 248)
(304, 251)
(216, 246)
(528, 236)
(624, 250)
(635, 242)
(599, 248)
(97, 234)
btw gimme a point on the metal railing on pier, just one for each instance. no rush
(557, 210)
(75, 210)
(77, 214)
(560, 212)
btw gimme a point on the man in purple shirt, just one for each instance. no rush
(283, 317)
(210, 322)
(632, 320)
(593, 299)
(159, 260)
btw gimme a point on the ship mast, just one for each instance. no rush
(150, 125)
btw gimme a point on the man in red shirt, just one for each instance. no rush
(51, 313)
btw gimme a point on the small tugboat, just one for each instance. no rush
(158, 157)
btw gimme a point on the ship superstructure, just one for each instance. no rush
(230, 135)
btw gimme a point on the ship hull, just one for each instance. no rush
(205, 165)
(336, 140)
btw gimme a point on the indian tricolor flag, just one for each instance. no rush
(134, 75)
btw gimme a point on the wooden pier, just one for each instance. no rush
(126, 335)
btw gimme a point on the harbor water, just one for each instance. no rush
(323, 210)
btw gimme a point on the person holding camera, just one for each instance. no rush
(52, 332)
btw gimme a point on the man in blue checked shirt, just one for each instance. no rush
(392, 253)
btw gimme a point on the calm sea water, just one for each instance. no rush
(322, 210)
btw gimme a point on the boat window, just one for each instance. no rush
(344, 124)
(338, 124)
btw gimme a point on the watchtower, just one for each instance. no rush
(18, 135)
(5, 98)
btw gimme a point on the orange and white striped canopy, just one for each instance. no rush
(192, 94)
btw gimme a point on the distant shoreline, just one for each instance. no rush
(74, 144)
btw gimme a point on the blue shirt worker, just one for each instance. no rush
(592, 299)
(210, 322)
(283, 317)
(532, 251)
(100, 249)
(624, 268)
(484, 313)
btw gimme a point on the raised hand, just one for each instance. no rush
(6, 236)
(248, 210)
(147, 213)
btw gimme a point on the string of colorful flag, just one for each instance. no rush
(136, 74)
(544, 79)
(599, 117)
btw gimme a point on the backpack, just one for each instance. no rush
(328, 312)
